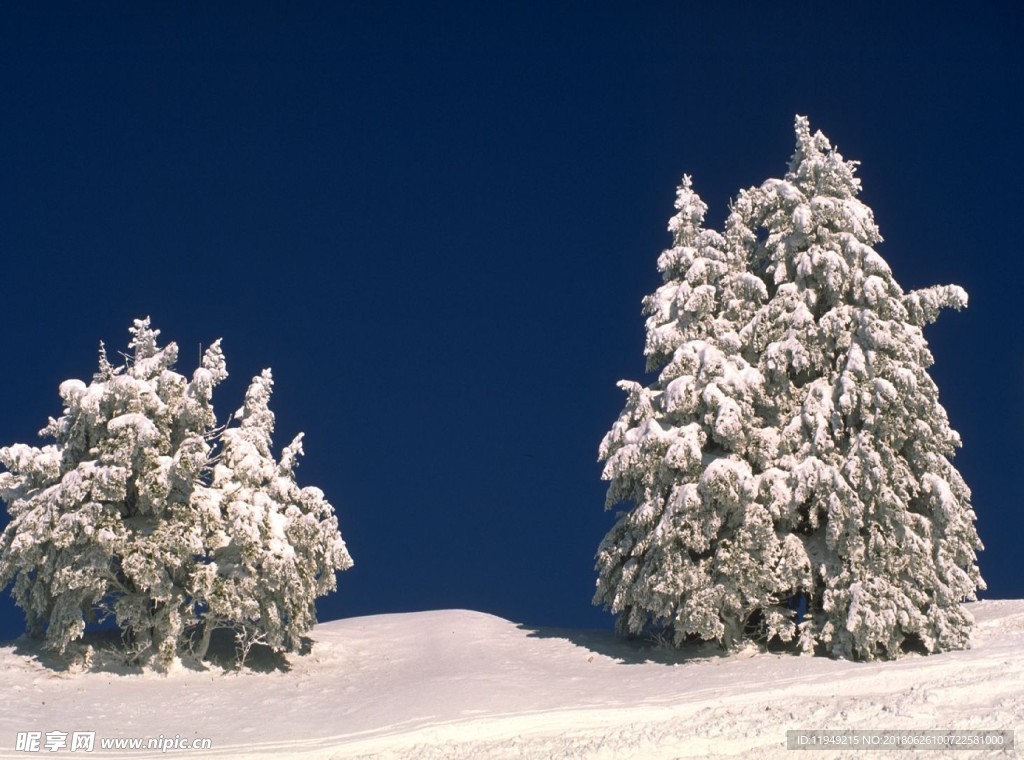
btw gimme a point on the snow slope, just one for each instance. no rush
(454, 684)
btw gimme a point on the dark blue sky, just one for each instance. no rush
(436, 222)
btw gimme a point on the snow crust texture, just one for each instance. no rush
(788, 477)
(461, 684)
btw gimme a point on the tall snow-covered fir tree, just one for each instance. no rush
(843, 498)
(697, 553)
(866, 446)
(128, 513)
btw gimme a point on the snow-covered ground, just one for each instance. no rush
(460, 684)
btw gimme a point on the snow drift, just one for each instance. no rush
(462, 684)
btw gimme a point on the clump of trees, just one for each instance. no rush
(146, 511)
(788, 475)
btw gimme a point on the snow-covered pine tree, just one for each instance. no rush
(275, 546)
(99, 519)
(698, 553)
(865, 445)
(792, 452)
(113, 519)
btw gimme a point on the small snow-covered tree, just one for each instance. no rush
(124, 514)
(792, 452)
(274, 546)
